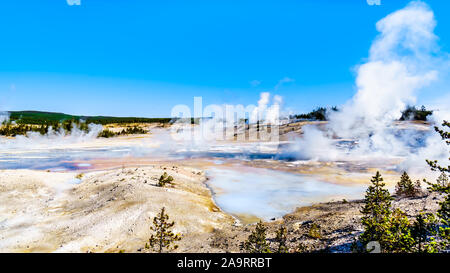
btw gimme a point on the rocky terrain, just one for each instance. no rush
(329, 227)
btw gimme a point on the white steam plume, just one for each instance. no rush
(258, 113)
(400, 64)
(4, 116)
(264, 112)
(52, 138)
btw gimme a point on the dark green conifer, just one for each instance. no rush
(256, 242)
(424, 227)
(442, 186)
(405, 187)
(164, 237)
(280, 239)
(376, 211)
(398, 238)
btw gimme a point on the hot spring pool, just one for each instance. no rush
(269, 194)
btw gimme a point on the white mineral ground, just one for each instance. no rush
(104, 211)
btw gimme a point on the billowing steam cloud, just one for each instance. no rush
(400, 64)
(393, 74)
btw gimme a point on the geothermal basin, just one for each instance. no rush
(249, 181)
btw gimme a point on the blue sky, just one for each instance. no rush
(141, 58)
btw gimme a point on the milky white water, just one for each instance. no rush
(269, 194)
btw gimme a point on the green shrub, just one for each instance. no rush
(314, 232)
(164, 179)
(107, 134)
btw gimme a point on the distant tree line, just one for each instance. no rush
(122, 120)
(22, 122)
(321, 113)
(50, 118)
(11, 128)
(128, 131)
(412, 113)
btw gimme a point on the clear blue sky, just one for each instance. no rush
(140, 58)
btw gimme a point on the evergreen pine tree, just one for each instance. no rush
(281, 240)
(391, 229)
(446, 137)
(256, 242)
(442, 186)
(398, 237)
(442, 180)
(164, 237)
(405, 187)
(423, 228)
(376, 211)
